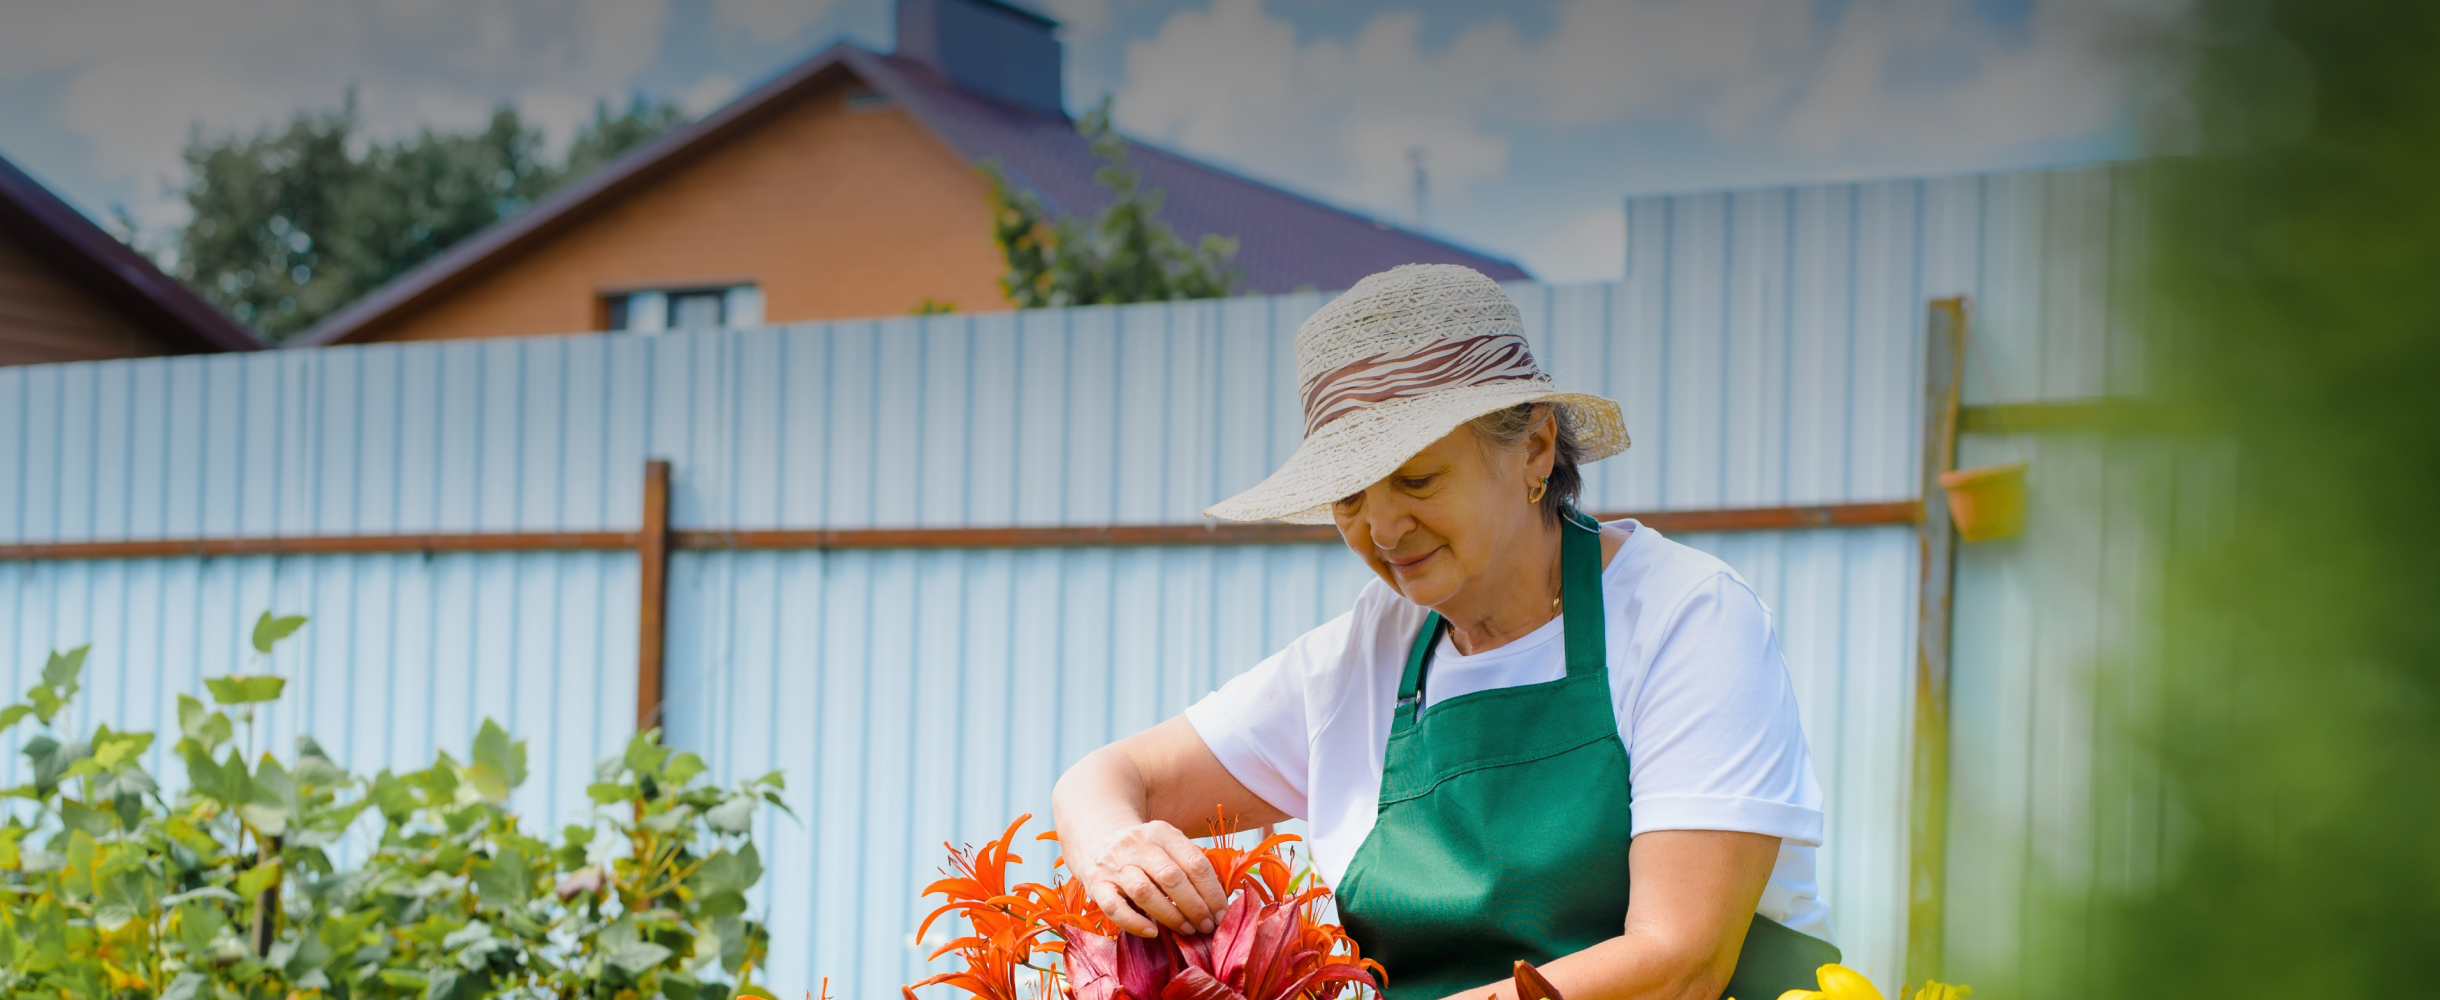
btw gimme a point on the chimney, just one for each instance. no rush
(986, 46)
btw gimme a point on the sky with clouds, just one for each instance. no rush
(1533, 118)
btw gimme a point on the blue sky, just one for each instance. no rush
(1535, 118)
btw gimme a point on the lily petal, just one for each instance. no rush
(1842, 983)
(1195, 984)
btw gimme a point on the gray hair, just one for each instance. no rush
(1507, 428)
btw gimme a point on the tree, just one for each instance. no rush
(291, 224)
(1124, 254)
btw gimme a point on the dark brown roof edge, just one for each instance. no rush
(632, 169)
(114, 269)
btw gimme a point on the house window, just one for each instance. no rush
(691, 308)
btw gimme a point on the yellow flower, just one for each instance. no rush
(1838, 982)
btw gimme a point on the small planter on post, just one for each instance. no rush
(1987, 503)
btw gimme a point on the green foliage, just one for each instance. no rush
(290, 224)
(2295, 331)
(1124, 254)
(108, 888)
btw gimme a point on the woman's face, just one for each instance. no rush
(1453, 516)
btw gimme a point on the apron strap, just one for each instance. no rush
(1580, 604)
(1418, 659)
(1579, 587)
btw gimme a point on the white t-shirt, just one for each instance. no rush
(1702, 697)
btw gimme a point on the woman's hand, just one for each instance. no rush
(1152, 870)
(1119, 810)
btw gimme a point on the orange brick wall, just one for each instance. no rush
(835, 213)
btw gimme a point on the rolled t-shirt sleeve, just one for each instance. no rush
(1259, 723)
(1718, 743)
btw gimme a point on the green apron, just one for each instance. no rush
(1503, 824)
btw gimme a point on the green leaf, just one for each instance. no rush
(606, 792)
(645, 752)
(237, 689)
(637, 957)
(682, 768)
(113, 749)
(269, 630)
(499, 763)
(729, 871)
(224, 783)
(405, 979)
(47, 703)
(273, 807)
(96, 822)
(51, 759)
(188, 986)
(9, 716)
(505, 881)
(395, 798)
(207, 728)
(60, 671)
(125, 896)
(198, 924)
(736, 815)
(258, 878)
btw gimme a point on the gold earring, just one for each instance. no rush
(1535, 495)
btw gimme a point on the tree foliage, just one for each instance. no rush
(290, 224)
(1124, 253)
(231, 889)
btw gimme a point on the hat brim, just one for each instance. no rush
(1356, 450)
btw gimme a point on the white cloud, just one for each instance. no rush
(708, 94)
(1236, 82)
(1932, 79)
(142, 73)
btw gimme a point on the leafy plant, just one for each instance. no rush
(109, 888)
(1124, 254)
(1271, 943)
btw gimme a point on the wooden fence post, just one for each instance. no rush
(652, 571)
(1944, 354)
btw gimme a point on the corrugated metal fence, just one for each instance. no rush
(1765, 346)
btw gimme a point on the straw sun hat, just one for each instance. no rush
(1396, 363)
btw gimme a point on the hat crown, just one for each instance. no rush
(1399, 310)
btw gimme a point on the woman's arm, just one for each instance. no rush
(1121, 811)
(1690, 901)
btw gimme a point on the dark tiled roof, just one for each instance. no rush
(1285, 241)
(63, 236)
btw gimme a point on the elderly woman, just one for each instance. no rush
(1535, 737)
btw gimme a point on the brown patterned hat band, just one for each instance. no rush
(1428, 367)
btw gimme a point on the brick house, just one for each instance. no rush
(71, 292)
(845, 187)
